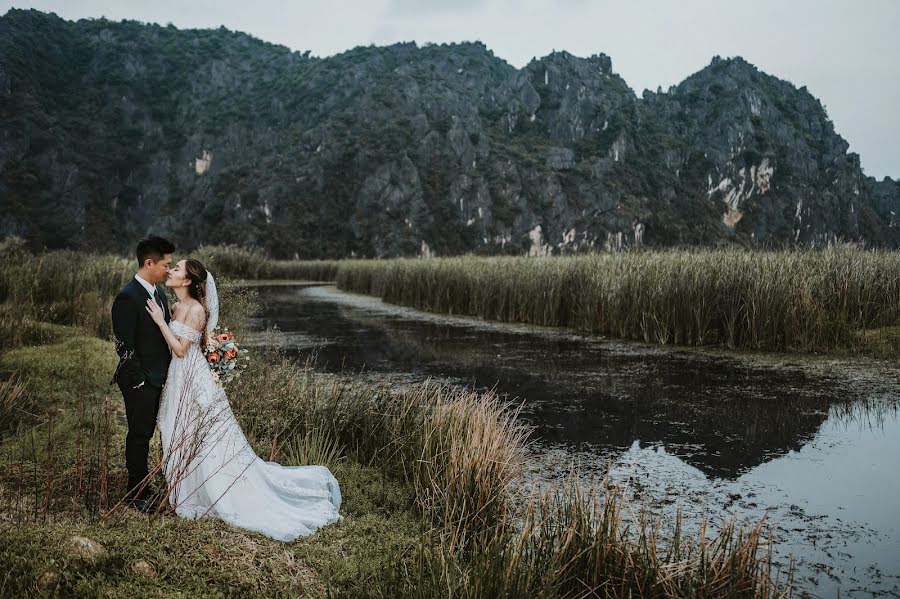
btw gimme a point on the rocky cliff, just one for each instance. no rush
(110, 130)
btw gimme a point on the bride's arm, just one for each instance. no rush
(195, 319)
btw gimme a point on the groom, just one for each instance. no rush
(143, 358)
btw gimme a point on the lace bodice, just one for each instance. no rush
(179, 329)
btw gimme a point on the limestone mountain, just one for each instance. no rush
(109, 130)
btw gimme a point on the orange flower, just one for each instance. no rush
(213, 358)
(230, 354)
(222, 338)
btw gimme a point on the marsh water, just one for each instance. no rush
(810, 443)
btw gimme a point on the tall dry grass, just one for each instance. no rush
(307, 270)
(237, 262)
(459, 449)
(801, 300)
(571, 543)
(64, 287)
(17, 406)
(462, 451)
(76, 288)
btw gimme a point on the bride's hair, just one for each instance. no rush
(196, 272)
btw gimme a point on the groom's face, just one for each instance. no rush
(159, 270)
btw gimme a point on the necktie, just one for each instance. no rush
(158, 299)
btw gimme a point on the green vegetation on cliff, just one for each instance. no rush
(114, 129)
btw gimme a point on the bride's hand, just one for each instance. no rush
(156, 313)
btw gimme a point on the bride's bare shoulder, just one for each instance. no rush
(195, 314)
(187, 305)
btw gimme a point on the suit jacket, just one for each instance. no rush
(143, 352)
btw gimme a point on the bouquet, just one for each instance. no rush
(224, 355)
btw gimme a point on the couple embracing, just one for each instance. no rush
(209, 467)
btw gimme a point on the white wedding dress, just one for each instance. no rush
(212, 470)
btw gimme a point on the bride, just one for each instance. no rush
(209, 466)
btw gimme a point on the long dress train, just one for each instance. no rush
(212, 470)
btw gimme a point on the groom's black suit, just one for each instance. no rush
(143, 364)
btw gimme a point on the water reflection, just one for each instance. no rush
(831, 504)
(718, 415)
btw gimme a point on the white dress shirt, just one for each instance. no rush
(151, 289)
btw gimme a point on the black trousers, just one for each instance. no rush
(141, 406)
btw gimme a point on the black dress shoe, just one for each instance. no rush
(147, 491)
(143, 505)
(151, 492)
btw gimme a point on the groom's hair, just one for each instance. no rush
(154, 248)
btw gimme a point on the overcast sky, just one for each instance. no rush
(847, 52)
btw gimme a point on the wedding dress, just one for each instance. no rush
(212, 470)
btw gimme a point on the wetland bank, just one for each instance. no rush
(704, 431)
(808, 442)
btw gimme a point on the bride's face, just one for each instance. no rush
(177, 276)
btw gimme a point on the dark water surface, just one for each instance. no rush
(814, 445)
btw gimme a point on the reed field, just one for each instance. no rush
(793, 300)
(241, 263)
(76, 288)
(427, 472)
